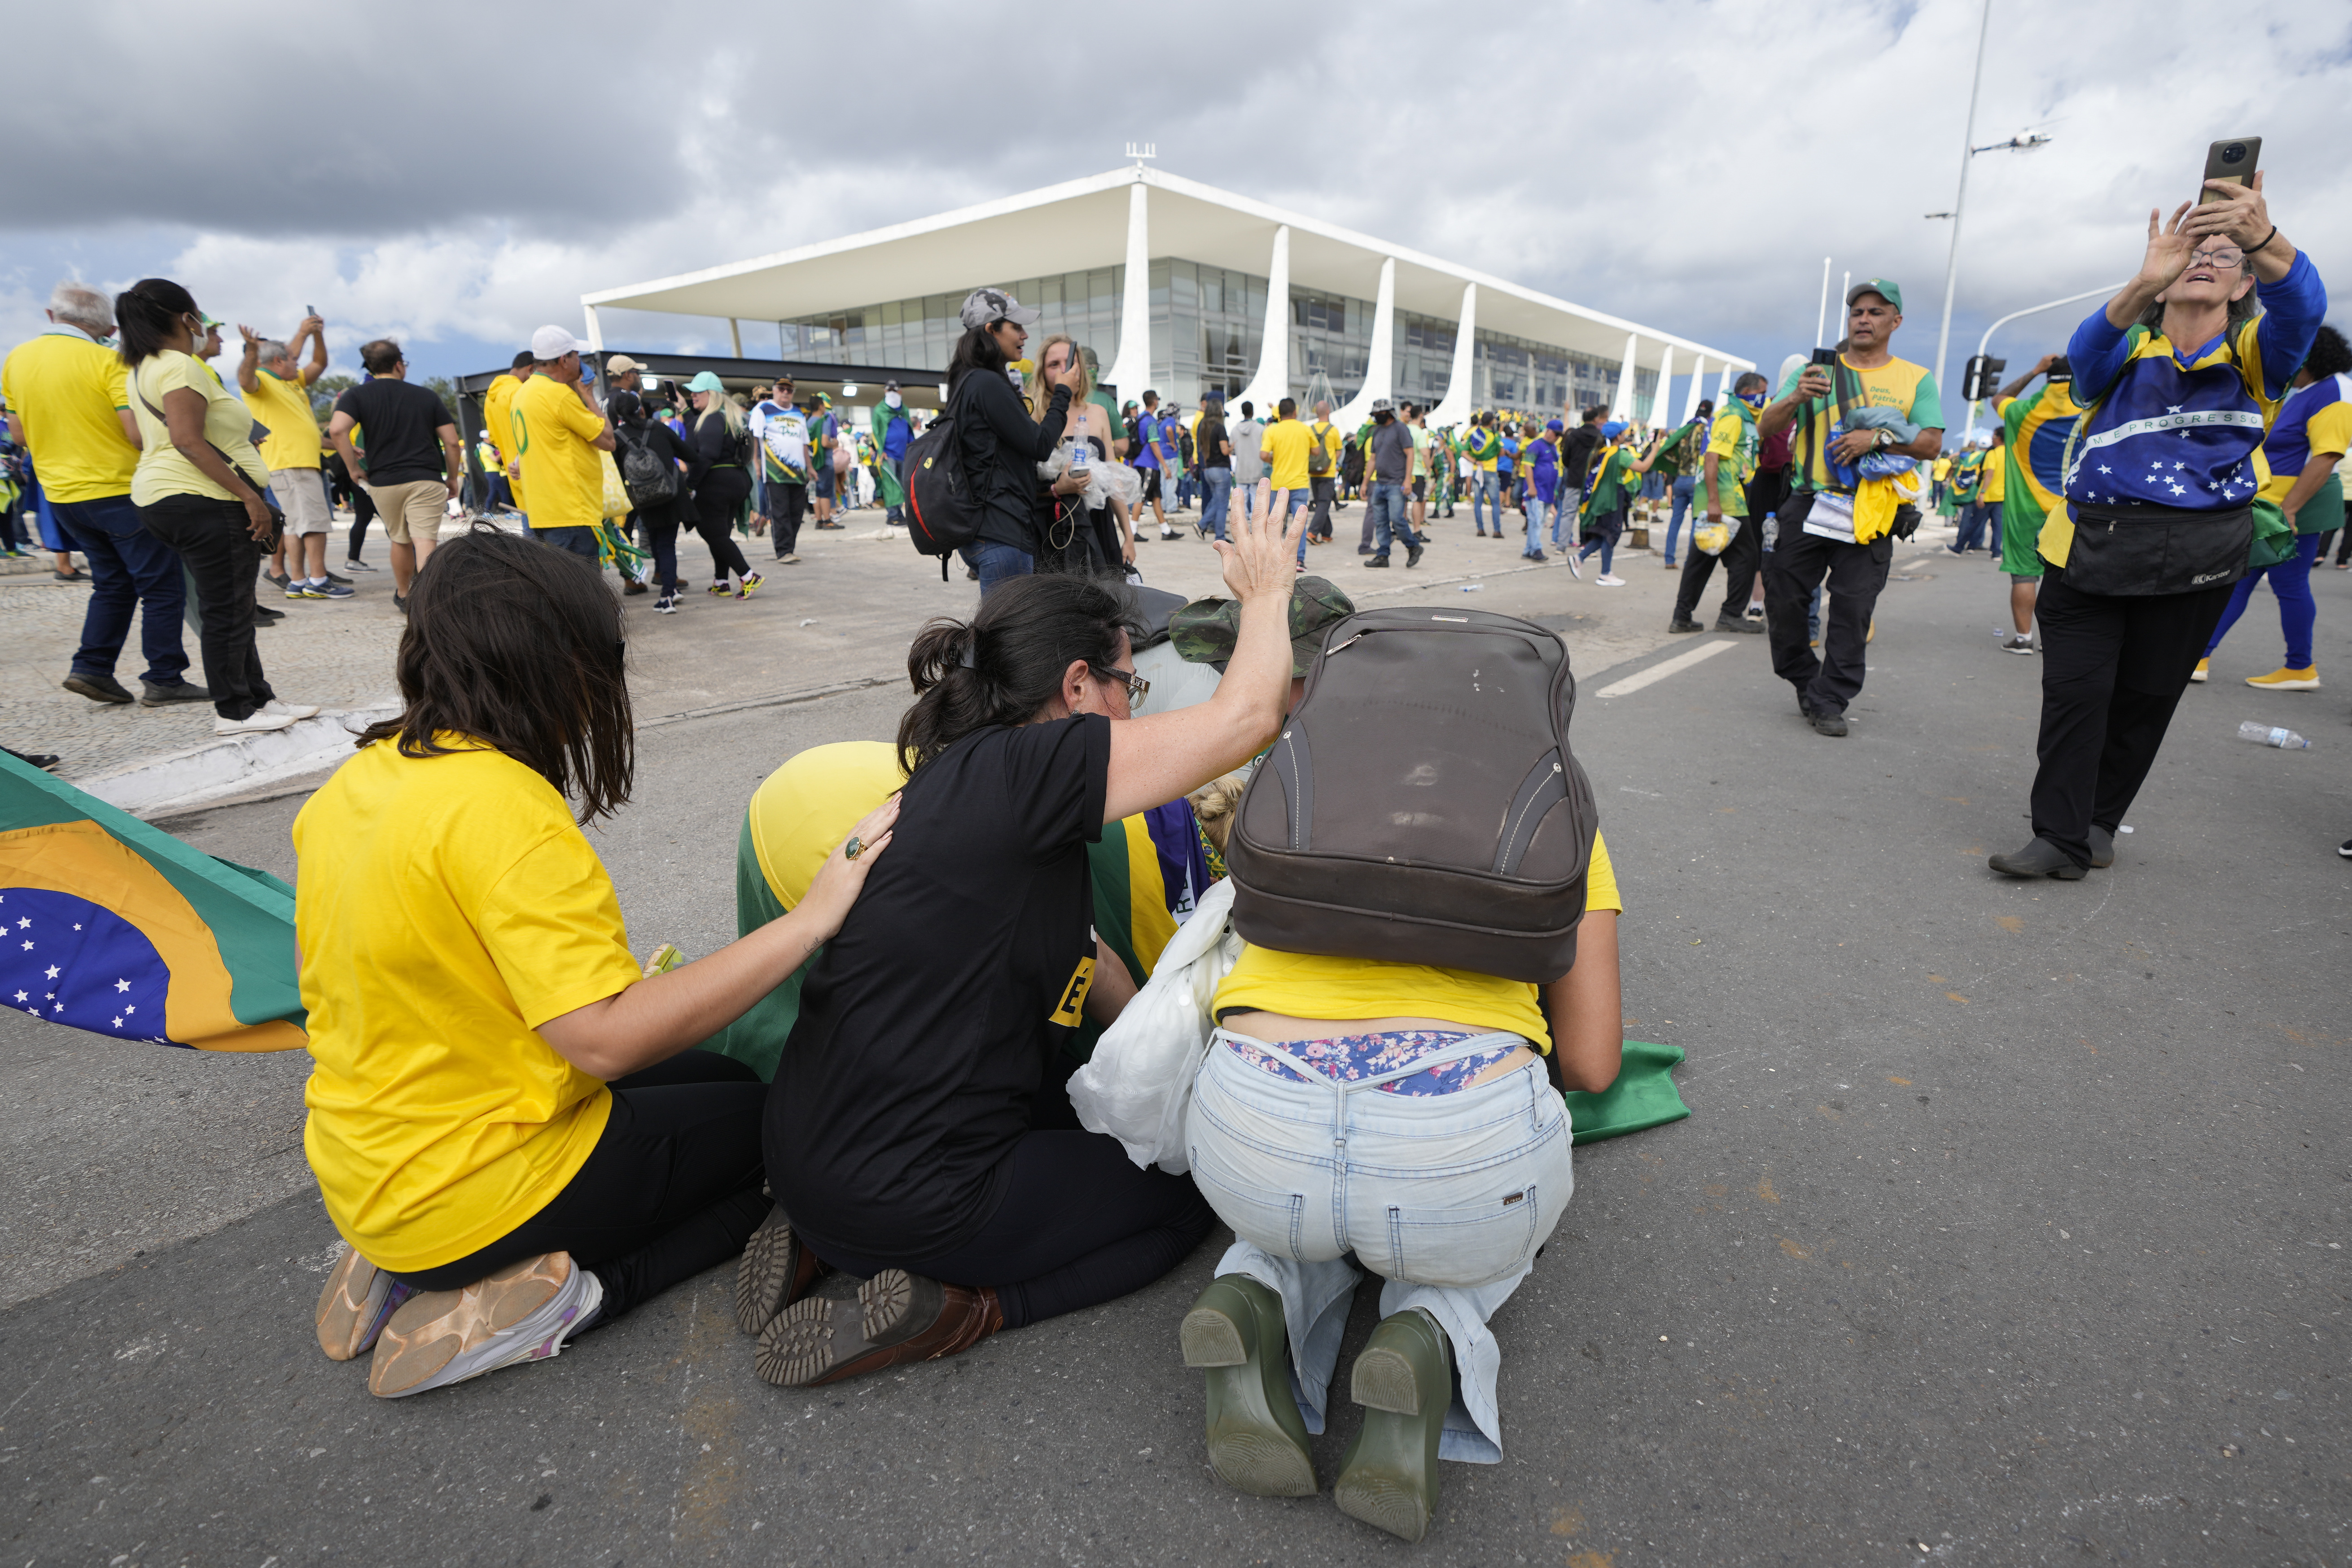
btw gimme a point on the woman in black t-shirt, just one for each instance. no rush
(899, 1134)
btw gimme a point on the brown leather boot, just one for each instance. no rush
(777, 1269)
(901, 1316)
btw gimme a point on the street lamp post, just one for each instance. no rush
(1968, 156)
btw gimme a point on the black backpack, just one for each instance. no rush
(943, 508)
(650, 478)
(1422, 804)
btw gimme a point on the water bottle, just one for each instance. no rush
(1082, 455)
(2285, 740)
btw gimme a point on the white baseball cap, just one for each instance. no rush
(550, 343)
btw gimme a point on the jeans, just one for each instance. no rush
(1000, 563)
(1387, 517)
(1219, 500)
(210, 537)
(1685, 485)
(671, 1189)
(1975, 517)
(1445, 1196)
(1482, 488)
(128, 567)
(1540, 518)
(2291, 583)
(1606, 529)
(576, 540)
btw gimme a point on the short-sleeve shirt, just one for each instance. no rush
(1287, 446)
(163, 468)
(2316, 421)
(1994, 489)
(1311, 986)
(445, 908)
(1732, 442)
(403, 421)
(1391, 452)
(926, 1023)
(285, 406)
(554, 433)
(1208, 439)
(1908, 389)
(67, 393)
(1147, 434)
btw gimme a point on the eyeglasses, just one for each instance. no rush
(2229, 257)
(1138, 688)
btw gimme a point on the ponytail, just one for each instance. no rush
(1007, 662)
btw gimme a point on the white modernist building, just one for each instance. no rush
(1184, 289)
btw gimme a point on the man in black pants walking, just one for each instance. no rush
(1818, 537)
(1726, 482)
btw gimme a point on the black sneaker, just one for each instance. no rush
(1412, 554)
(1830, 724)
(105, 689)
(2038, 858)
(400, 603)
(1375, 561)
(1738, 624)
(283, 580)
(2345, 849)
(154, 695)
(1679, 625)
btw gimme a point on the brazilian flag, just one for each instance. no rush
(118, 928)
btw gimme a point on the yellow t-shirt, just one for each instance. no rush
(285, 406)
(1995, 489)
(445, 908)
(1734, 464)
(552, 433)
(498, 425)
(1287, 444)
(65, 390)
(2328, 434)
(1323, 430)
(164, 469)
(1311, 985)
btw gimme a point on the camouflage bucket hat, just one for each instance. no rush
(1204, 631)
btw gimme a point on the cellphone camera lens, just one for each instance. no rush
(2235, 152)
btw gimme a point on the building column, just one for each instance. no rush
(1622, 405)
(595, 330)
(1271, 384)
(1379, 368)
(1661, 401)
(1698, 387)
(1723, 390)
(1131, 368)
(1460, 386)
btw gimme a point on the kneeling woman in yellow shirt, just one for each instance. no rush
(505, 1122)
(1452, 1169)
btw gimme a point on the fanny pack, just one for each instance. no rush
(2134, 551)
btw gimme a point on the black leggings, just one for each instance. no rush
(1080, 1226)
(717, 499)
(673, 1187)
(362, 510)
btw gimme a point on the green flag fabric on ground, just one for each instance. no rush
(1643, 1096)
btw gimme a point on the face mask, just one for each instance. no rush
(1753, 399)
(891, 398)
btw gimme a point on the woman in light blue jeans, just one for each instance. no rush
(1398, 1117)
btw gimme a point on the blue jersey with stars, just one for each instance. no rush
(2183, 429)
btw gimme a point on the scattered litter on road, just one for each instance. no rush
(2285, 740)
(1473, 587)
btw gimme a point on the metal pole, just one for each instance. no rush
(1960, 206)
(1986, 342)
(1845, 286)
(1822, 319)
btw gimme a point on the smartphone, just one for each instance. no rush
(309, 310)
(1826, 357)
(2232, 159)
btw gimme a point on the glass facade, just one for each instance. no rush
(1208, 331)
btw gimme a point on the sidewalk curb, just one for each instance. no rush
(185, 780)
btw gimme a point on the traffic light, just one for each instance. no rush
(1982, 378)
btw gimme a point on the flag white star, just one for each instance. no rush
(22, 923)
(58, 1008)
(52, 974)
(28, 947)
(123, 985)
(2105, 470)
(77, 925)
(118, 1023)
(23, 997)
(2175, 408)
(131, 1009)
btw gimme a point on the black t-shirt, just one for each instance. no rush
(926, 1023)
(399, 422)
(1209, 442)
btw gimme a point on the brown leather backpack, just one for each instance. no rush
(1421, 805)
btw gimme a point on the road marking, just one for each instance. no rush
(1659, 671)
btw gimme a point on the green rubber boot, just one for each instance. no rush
(1404, 1380)
(1257, 1440)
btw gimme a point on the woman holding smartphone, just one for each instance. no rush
(2180, 375)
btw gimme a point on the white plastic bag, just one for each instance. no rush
(1138, 1086)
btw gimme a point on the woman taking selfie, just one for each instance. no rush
(900, 1126)
(1087, 528)
(505, 1122)
(2180, 377)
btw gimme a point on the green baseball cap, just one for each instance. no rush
(1883, 287)
(1204, 631)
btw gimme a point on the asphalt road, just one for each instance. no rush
(2009, 1226)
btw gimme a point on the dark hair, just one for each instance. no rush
(380, 357)
(519, 647)
(1248, 413)
(1592, 414)
(976, 349)
(520, 360)
(145, 314)
(625, 406)
(1008, 661)
(1750, 380)
(1288, 408)
(2329, 355)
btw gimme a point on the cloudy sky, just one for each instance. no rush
(459, 174)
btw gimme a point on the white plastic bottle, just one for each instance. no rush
(2285, 740)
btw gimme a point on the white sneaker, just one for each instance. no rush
(259, 724)
(291, 709)
(523, 1312)
(1605, 581)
